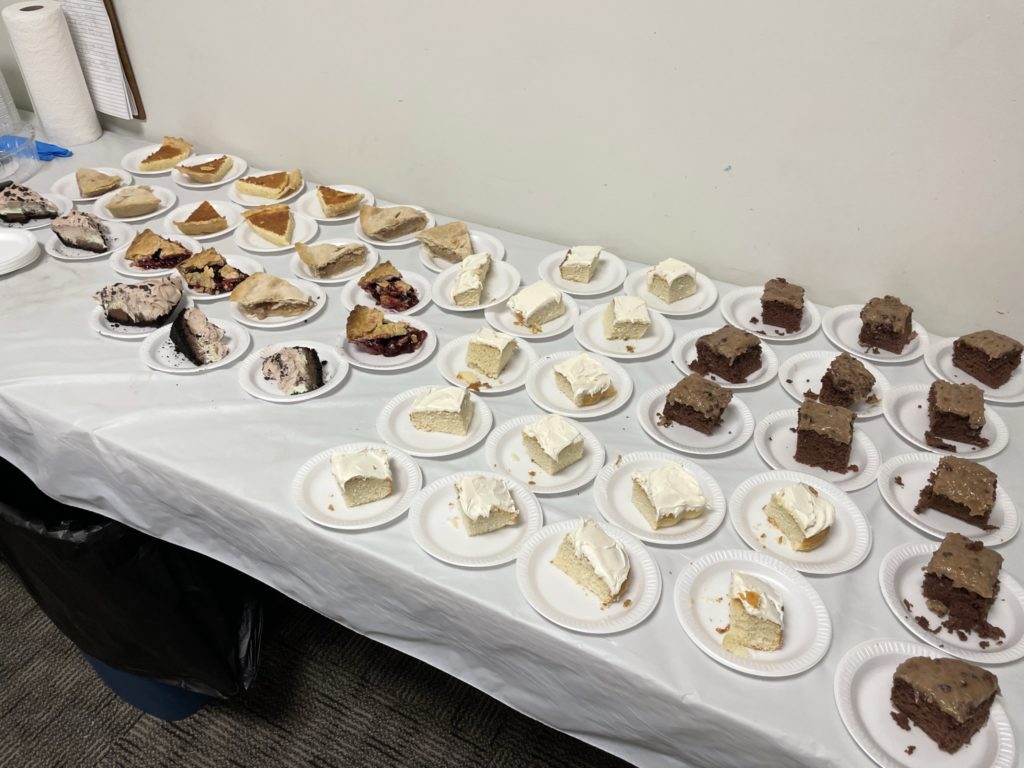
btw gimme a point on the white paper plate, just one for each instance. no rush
(901, 576)
(906, 410)
(437, 527)
(305, 231)
(501, 319)
(560, 600)
(863, 683)
(398, 242)
(613, 495)
(481, 242)
(250, 373)
(309, 203)
(167, 200)
(451, 360)
(395, 428)
(939, 359)
(735, 430)
(64, 205)
(158, 350)
(252, 201)
(848, 541)
(99, 323)
(590, 334)
(610, 272)
(121, 236)
(18, 249)
(701, 301)
(913, 470)
(230, 211)
(246, 264)
(318, 294)
(379, 363)
(803, 372)
(739, 306)
(122, 266)
(300, 269)
(702, 605)
(238, 167)
(542, 389)
(68, 185)
(505, 453)
(352, 294)
(130, 162)
(685, 350)
(842, 327)
(502, 281)
(776, 443)
(318, 497)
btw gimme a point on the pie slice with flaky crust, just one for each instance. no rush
(263, 295)
(169, 154)
(209, 273)
(388, 288)
(449, 241)
(273, 223)
(151, 251)
(391, 222)
(204, 220)
(369, 330)
(93, 183)
(334, 202)
(273, 185)
(209, 172)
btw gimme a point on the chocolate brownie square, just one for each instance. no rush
(988, 356)
(728, 352)
(696, 403)
(955, 412)
(846, 382)
(886, 324)
(782, 304)
(961, 582)
(962, 489)
(824, 436)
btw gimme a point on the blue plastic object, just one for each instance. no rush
(166, 702)
(45, 151)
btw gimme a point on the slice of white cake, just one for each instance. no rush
(580, 263)
(595, 561)
(667, 494)
(583, 380)
(468, 287)
(443, 409)
(671, 280)
(537, 304)
(553, 443)
(489, 352)
(363, 476)
(626, 317)
(755, 616)
(484, 504)
(802, 514)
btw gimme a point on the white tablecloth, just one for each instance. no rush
(196, 461)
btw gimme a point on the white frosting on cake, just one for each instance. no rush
(585, 375)
(671, 489)
(553, 433)
(466, 280)
(606, 556)
(534, 297)
(669, 270)
(477, 495)
(440, 400)
(812, 511)
(756, 597)
(630, 309)
(491, 338)
(476, 262)
(367, 462)
(582, 255)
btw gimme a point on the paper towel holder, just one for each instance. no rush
(31, 8)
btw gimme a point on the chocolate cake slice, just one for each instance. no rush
(295, 370)
(961, 582)
(846, 382)
(368, 329)
(955, 412)
(886, 323)
(82, 230)
(988, 356)
(782, 304)
(728, 352)
(948, 699)
(824, 436)
(199, 340)
(962, 489)
(696, 403)
(19, 205)
(385, 284)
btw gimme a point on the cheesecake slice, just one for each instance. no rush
(392, 222)
(169, 154)
(271, 185)
(93, 183)
(133, 201)
(262, 295)
(82, 230)
(204, 220)
(148, 250)
(335, 202)
(274, 223)
(326, 260)
(209, 172)
(449, 242)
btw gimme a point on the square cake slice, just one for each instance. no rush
(443, 409)
(626, 317)
(672, 280)
(583, 380)
(484, 504)
(729, 353)
(846, 382)
(755, 616)
(553, 443)
(537, 304)
(804, 516)
(961, 582)
(595, 561)
(666, 494)
(962, 489)
(824, 436)
(696, 403)
(580, 263)
(490, 351)
(988, 356)
(364, 476)
(782, 304)
(886, 323)
(955, 412)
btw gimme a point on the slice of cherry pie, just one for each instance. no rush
(385, 284)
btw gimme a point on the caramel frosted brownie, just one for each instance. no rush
(696, 403)
(824, 436)
(962, 489)
(988, 356)
(728, 352)
(955, 412)
(961, 582)
(886, 324)
(846, 382)
(782, 304)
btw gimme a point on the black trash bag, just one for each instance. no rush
(136, 603)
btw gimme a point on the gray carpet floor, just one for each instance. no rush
(324, 697)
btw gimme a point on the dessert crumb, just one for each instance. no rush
(901, 720)
(722, 630)
(618, 460)
(789, 381)
(627, 603)
(910, 749)
(630, 348)
(983, 644)
(330, 507)
(899, 481)
(907, 604)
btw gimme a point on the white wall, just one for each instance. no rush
(854, 147)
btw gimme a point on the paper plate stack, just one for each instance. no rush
(17, 249)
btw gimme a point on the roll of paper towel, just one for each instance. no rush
(46, 54)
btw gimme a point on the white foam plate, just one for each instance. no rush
(777, 446)
(398, 242)
(246, 264)
(913, 470)
(505, 453)
(560, 600)
(502, 281)
(122, 266)
(863, 683)
(63, 204)
(481, 242)
(610, 272)
(121, 236)
(230, 211)
(68, 185)
(309, 203)
(501, 319)
(395, 428)
(590, 334)
(380, 364)
(735, 430)
(99, 323)
(613, 495)
(252, 201)
(437, 527)
(304, 231)
(542, 389)
(352, 294)
(318, 497)
(18, 249)
(701, 600)
(451, 360)
(701, 301)
(847, 544)
(842, 327)
(130, 162)
(167, 200)
(238, 167)
(685, 350)
(158, 350)
(250, 373)
(900, 577)
(299, 268)
(803, 372)
(939, 359)
(273, 323)
(906, 410)
(739, 306)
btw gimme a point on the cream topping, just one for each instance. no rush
(493, 339)
(440, 400)
(582, 255)
(477, 495)
(671, 489)
(630, 309)
(812, 511)
(606, 556)
(756, 597)
(366, 462)
(141, 301)
(553, 433)
(585, 375)
(534, 297)
(671, 269)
